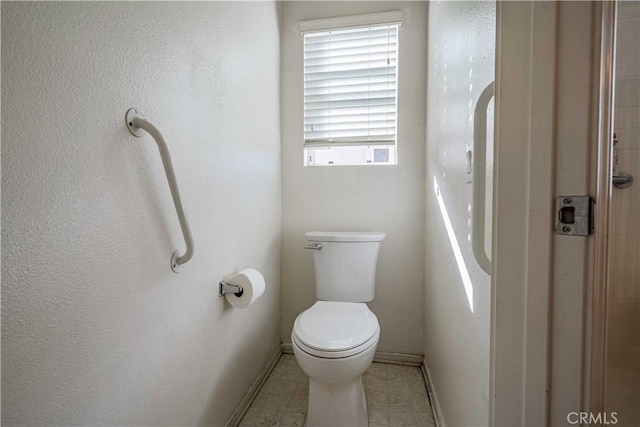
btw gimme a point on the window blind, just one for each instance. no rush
(350, 85)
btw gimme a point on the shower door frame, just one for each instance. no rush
(523, 187)
(595, 377)
(547, 131)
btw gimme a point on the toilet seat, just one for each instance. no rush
(335, 330)
(373, 341)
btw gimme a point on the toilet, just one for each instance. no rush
(334, 341)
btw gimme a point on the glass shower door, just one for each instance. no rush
(622, 369)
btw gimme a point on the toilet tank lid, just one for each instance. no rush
(345, 236)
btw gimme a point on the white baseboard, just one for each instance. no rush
(398, 358)
(380, 356)
(251, 394)
(287, 348)
(433, 397)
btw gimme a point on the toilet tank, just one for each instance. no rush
(345, 266)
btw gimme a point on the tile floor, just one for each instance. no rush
(396, 396)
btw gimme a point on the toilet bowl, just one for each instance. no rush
(334, 344)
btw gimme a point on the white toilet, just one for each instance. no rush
(335, 340)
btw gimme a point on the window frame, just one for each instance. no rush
(312, 150)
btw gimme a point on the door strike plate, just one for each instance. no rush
(574, 215)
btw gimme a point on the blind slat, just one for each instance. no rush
(365, 37)
(382, 47)
(356, 33)
(360, 65)
(345, 112)
(346, 44)
(331, 75)
(377, 134)
(350, 59)
(382, 78)
(356, 93)
(345, 88)
(350, 118)
(374, 124)
(361, 102)
(355, 135)
(323, 143)
(329, 133)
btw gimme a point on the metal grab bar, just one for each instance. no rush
(135, 124)
(479, 177)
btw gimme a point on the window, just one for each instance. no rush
(350, 95)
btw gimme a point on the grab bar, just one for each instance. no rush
(135, 124)
(479, 178)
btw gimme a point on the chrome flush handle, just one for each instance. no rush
(316, 246)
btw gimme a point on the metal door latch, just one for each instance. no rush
(574, 215)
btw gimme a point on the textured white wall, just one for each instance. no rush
(96, 329)
(358, 198)
(456, 348)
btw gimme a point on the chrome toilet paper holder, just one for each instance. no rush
(227, 288)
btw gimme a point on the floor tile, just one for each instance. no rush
(425, 419)
(268, 418)
(421, 405)
(250, 417)
(379, 415)
(377, 370)
(401, 417)
(379, 399)
(298, 406)
(396, 396)
(292, 420)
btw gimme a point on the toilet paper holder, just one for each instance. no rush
(227, 288)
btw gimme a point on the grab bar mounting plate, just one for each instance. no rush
(133, 113)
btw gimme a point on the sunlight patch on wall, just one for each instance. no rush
(462, 267)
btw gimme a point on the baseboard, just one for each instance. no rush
(251, 394)
(433, 397)
(380, 356)
(398, 358)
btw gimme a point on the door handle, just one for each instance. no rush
(479, 159)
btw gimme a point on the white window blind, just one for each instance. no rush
(350, 85)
